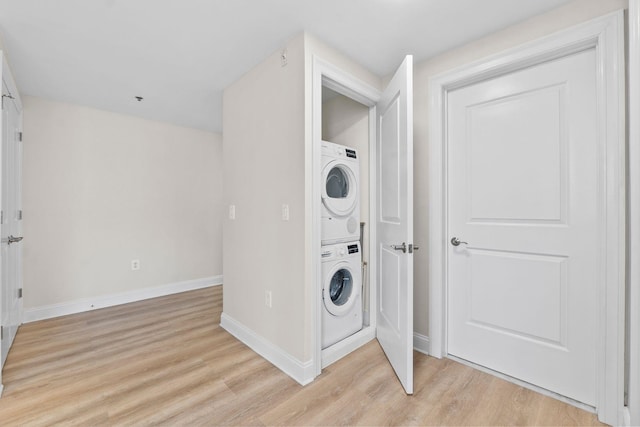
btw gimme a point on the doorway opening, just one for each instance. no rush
(347, 122)
(388, 205)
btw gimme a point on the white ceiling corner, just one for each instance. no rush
(181, 54)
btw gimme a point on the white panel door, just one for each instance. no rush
(522, 197)
(395, 223)
(11, 227)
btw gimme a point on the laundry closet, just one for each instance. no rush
(344, 223)
(276, 119)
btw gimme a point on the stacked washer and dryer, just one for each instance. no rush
(341, 253)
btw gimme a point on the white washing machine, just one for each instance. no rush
(341, 292)
(340, 194)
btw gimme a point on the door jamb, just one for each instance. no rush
(606, 36)
(633, 305)
(326, 74)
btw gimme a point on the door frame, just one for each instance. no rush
(633, 304)
(606, 36)
(326, 74)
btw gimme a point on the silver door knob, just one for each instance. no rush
(402, 247)
(12, 239)
(456, 242)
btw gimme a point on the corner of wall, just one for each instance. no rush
(314, 46)
(263, 122)
(302, 372)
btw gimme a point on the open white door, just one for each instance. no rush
(11, 218)
(395, 223)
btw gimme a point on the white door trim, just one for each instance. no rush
(634, 213)
(326, 74)
(606, 36)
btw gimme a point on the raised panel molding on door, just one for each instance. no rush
(527, 155)
(389, 154)
(524, 130)
(534, 285)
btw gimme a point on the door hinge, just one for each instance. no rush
(1, 217)
(20, 136)
(6, 96)
(1, 333)
(20, 293)
(20, 215)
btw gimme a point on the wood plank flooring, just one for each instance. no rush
(166, 361)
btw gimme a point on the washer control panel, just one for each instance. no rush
(339, 250)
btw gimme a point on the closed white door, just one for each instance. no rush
(395, 223)
(11, 222)
(522, 179)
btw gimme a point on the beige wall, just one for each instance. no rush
(263, 122)
(101, 189)
(571, 14)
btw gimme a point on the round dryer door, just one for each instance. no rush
(340, 190)
(340, 291)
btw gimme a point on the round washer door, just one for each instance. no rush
(340, 188)
(340, 290)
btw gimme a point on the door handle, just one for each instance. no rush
(402, 247)
(12, 239)
(456, 242)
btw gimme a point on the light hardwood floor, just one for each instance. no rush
(166, 361)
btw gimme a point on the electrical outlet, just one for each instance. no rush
(232, 211)
(285, 212)
(135, 264)
(267, 299)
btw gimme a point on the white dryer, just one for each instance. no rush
(340, 194)
(341, 292)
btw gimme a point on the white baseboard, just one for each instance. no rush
(421, 343)
(302, 372)
(88, 304)
(340, 349)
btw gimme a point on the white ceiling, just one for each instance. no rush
(181, 54)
